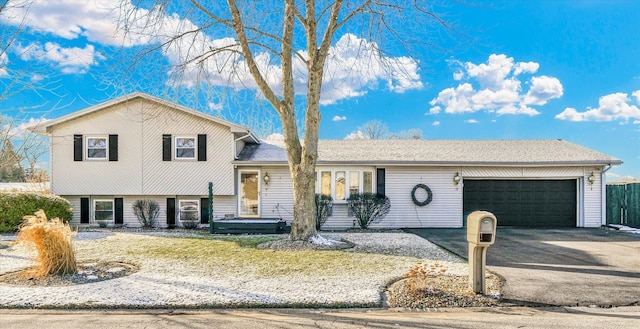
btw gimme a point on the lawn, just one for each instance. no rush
(200, 270)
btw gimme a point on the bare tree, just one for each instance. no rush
(374, 129)
(21, 149)
(267, 35)
(413, 133)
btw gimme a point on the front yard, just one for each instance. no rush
(197, 270)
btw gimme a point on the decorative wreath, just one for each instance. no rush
(424, 202)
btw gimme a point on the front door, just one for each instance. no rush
(249, 203)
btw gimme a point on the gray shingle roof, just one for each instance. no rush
(438, 152)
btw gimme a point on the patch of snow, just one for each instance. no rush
(625, 228)
(322, 241)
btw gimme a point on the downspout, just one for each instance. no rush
(603, 198)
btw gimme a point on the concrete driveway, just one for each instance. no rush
(566, 267)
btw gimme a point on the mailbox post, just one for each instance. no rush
(481, 233)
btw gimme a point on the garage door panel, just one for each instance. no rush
(542, 203)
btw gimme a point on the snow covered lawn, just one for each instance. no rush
(190, 270)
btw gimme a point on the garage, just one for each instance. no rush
(532, 203)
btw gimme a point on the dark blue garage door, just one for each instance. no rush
(535, 203)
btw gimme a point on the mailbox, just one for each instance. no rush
(481, 233)
(481, 228)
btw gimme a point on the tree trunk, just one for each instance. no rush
(304, 212)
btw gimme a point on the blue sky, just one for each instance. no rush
(517, 70)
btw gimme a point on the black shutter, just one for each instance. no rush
(113, 148)
(204, 210)
(380, 184)
(166, 150)
(119, 211)
(202, 147)
(171, 212)
(77, 148)
(84, 210)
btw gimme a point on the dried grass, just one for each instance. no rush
(53, 240)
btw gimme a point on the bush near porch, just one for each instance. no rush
(15, 205)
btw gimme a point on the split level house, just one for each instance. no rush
(136, 147)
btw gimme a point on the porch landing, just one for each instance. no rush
(250, 225)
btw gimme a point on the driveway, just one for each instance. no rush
(565, 267)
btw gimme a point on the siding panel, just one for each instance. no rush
(592, 200)
(277, 199)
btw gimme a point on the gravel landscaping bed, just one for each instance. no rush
(195, 278)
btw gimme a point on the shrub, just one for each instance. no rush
(369, 208)
(15, 205)
(103, 223)
(53, 240)
(190, 224)
(147, 212)
(324, 205)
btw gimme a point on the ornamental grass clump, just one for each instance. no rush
(53, 240)
(420, 278)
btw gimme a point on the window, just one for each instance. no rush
(367, 182)
(97, 148)
(325, 180)
(340, 187)
(340, 184)
(185, 148)
(103, 210)
(354, 182)
(189, 210)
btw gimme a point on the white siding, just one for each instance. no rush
(140, 170)
(593, 201)
(99, 177)
(522, 172)
(185, 177)
(221, 205)
(277, 198)
(445, 209)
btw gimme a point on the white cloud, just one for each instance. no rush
(70, 60)
(275, 138)
(356, 135)
(95, 20)
(22, 128)
(354, 65)
(496, 86)
(611, 107)
(214, 106)
(471, 121)
(543, 88)
(522, 67)
(434, 110)
(436, 123)
(4, 60)
(636, 122)
(339, 118)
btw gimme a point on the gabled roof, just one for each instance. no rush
(45, 128)
(439, 152)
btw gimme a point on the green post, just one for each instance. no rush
(210, 207)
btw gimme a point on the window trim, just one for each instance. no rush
(180, 201)
(347, 172)
(106, 148)
(113, 209)
(175, 148)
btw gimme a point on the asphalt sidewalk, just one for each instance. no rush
(565, 267)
